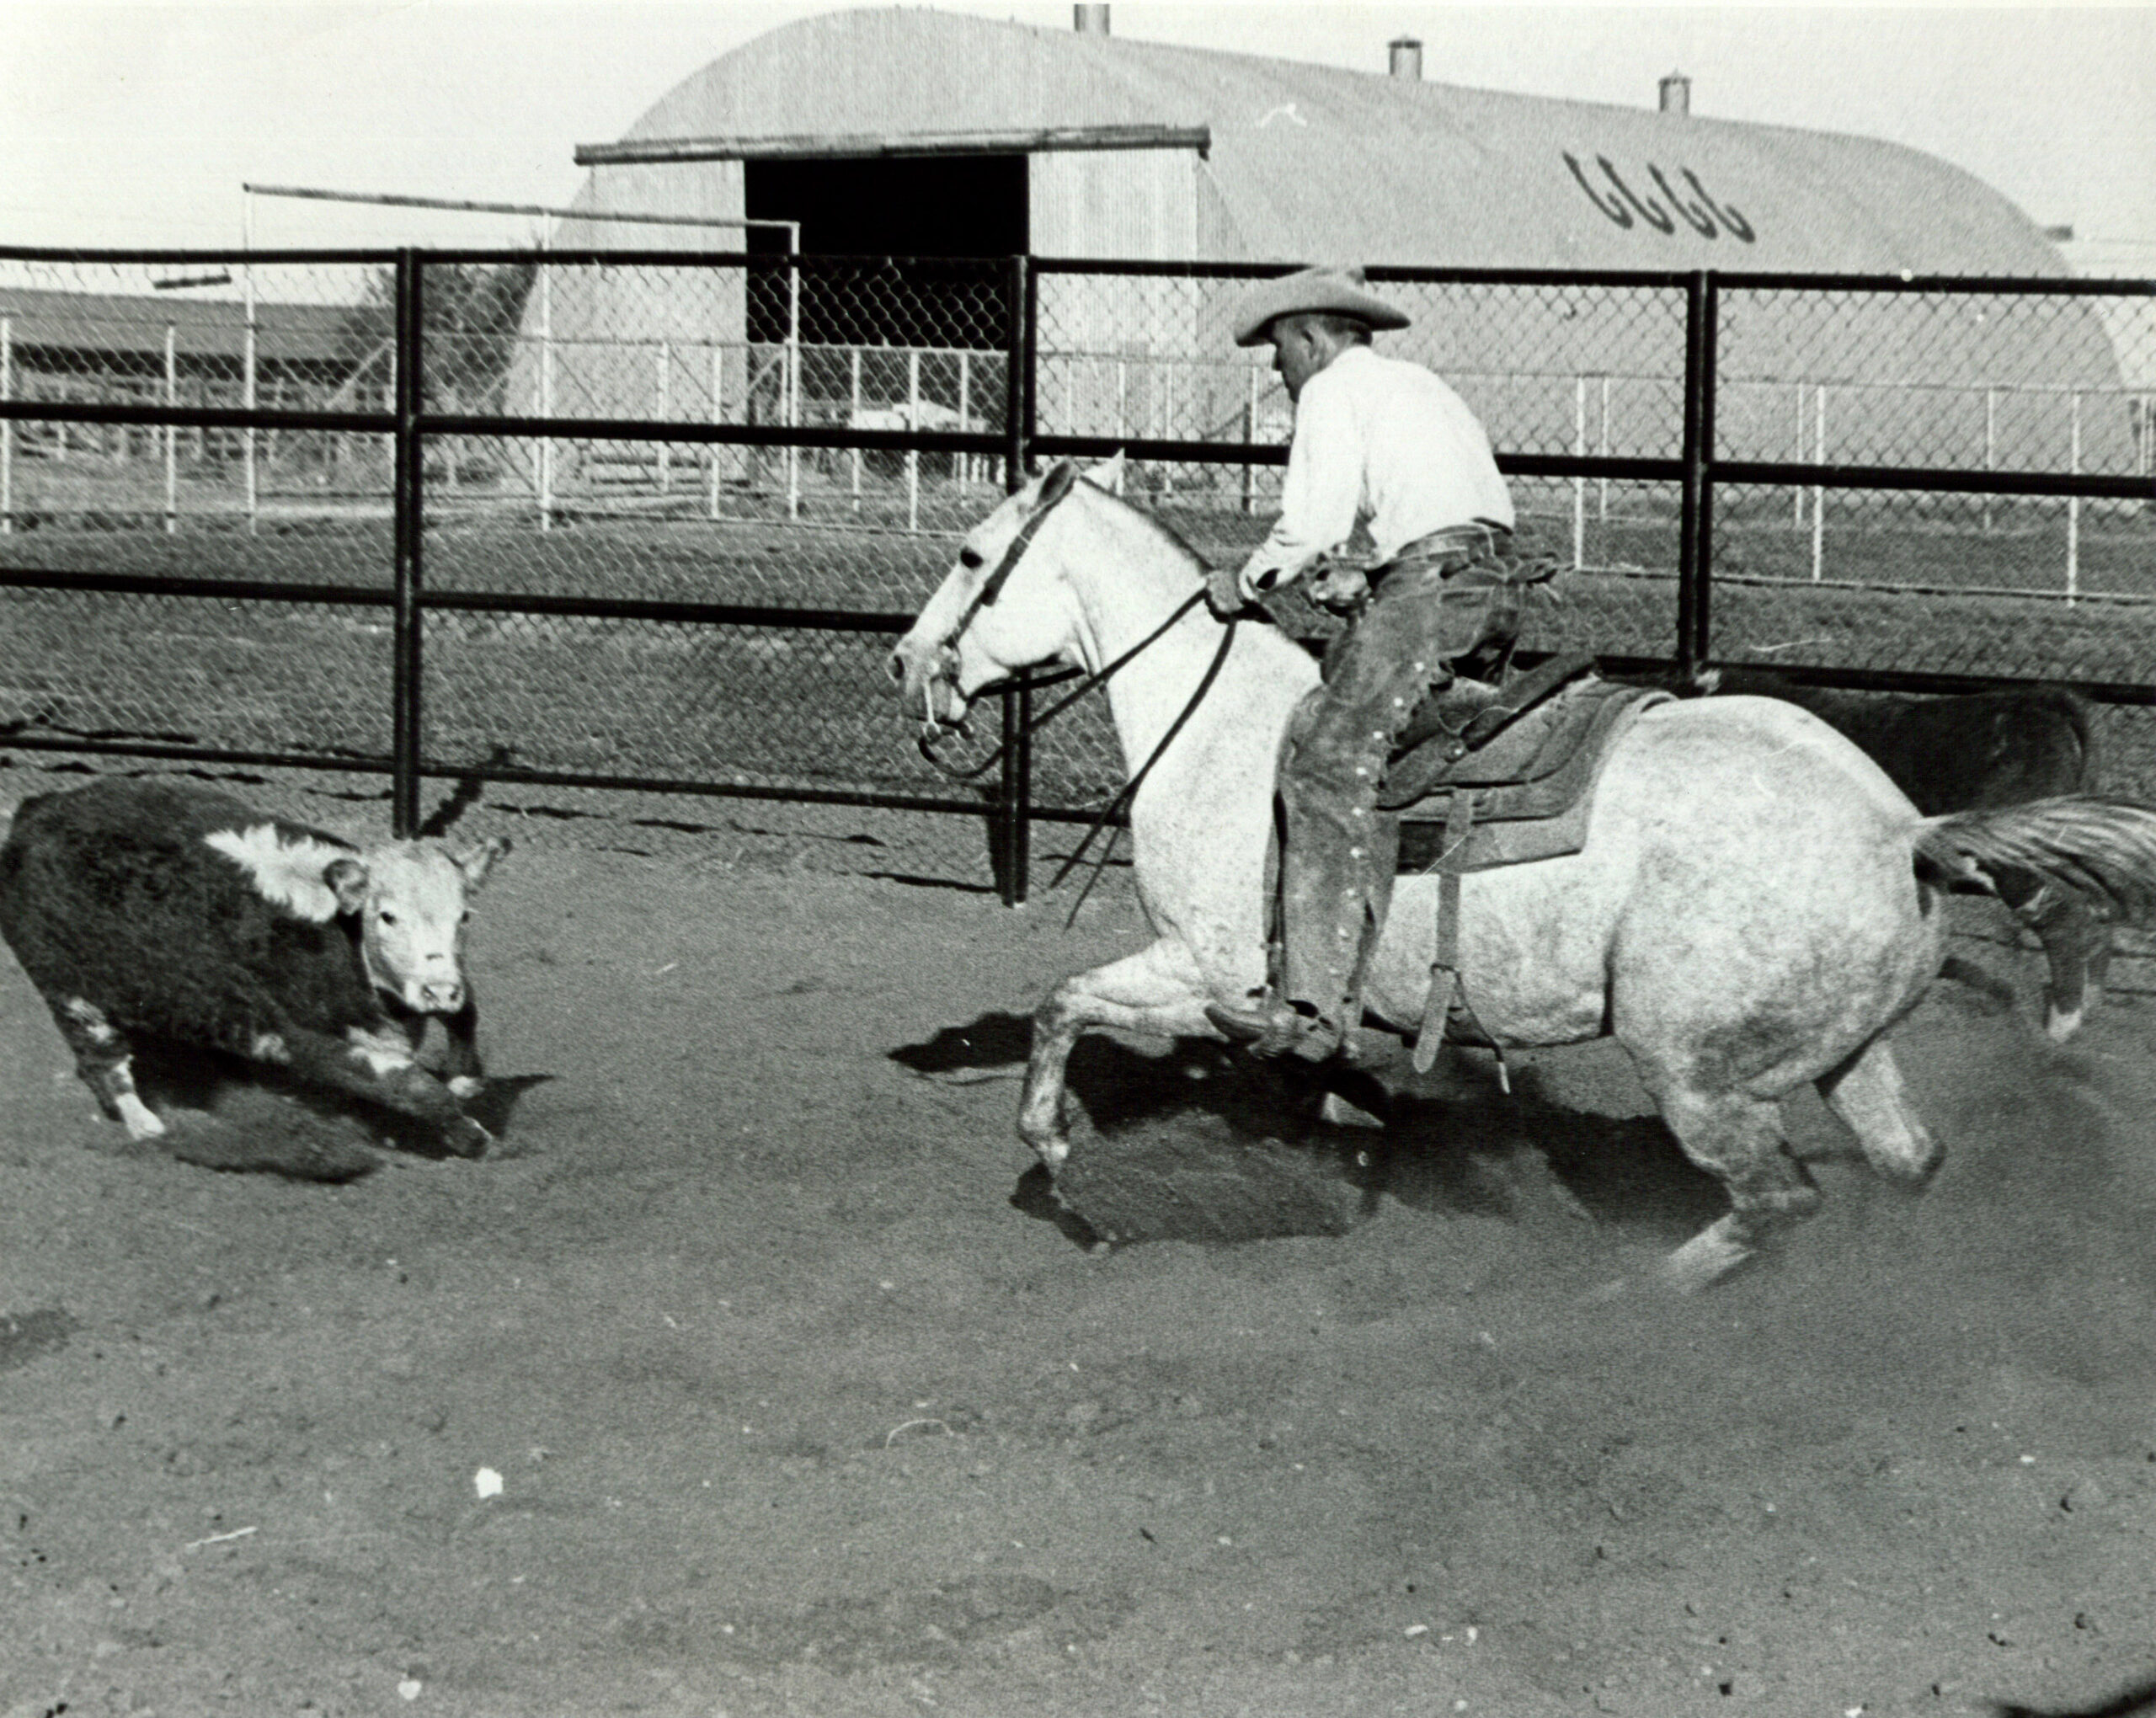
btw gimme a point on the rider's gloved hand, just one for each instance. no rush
(1340, 586)
(1224, 592)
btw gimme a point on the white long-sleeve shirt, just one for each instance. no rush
(1381, 439)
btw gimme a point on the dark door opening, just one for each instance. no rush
(911, 213)
(915, 206)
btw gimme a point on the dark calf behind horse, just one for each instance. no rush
(1979, 751)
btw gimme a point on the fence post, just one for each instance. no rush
(1602, 503)
(1695, 512)
(853, 419)
(172, 433)
(247, 397)
(1796, 513)
(545, 451)
(1579, 484)
(912, 428)
(1991, 445)
(1010, 824)
(1250, 436)
(1819, 490)
(405, 700)
(962, 464)
(2073, 508)
(1166, 372)
(663, 407)
(6, 427)
(793, 369)
(717, 416)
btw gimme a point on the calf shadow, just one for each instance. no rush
(1200, 1143)
(222, 1113)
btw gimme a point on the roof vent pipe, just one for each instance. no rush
(1089, 20)
(1406, 60)
(1676, 93)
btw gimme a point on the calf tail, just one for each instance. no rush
(2100, 849)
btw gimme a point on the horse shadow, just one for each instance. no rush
(1201, 1143)
(2139, 1698)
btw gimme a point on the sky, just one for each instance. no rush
(137, 126)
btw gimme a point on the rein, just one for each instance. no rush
(1129, 789)
(990, 588)
(951, 773)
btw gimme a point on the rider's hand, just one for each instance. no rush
(1339, 587)
(1224, 592)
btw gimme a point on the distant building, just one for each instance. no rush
(1267, 159)
(933, 135)
(100, 338)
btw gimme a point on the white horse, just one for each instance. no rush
(1755, 904)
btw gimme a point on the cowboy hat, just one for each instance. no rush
(1333, 291)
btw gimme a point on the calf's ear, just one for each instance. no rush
(347, 879)
(478, 861)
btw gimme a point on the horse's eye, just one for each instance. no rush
(969, 557)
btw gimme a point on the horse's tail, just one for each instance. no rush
(2099, 848)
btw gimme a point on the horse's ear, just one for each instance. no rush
(1108, 474)
(1057, 483)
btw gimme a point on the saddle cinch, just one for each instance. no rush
(1487, 776)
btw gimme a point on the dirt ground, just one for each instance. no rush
(800, 1398)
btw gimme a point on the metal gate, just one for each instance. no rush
(647, 520)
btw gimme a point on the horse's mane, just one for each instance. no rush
(1160, 527)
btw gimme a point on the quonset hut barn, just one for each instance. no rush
(919, 134)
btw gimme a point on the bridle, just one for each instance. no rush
(947, 651)
(992, 586)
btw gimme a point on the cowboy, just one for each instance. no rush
(1382, 441)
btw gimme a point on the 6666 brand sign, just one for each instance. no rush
(1624, 205)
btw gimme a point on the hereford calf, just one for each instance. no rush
(160, 910)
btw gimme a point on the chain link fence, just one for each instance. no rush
(653, 517)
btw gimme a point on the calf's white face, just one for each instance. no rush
(413, 899)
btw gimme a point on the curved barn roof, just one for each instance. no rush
(1311, 162)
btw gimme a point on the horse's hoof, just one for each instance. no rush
(1705, 1259)
(1051, 1146)
(466, 1137)
(142, 1123)
(1337, 1111)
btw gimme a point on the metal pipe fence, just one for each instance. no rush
(646, 520)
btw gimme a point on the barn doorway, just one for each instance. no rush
(908, 320)
(915, 205)
(923, 208)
